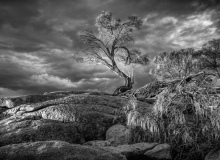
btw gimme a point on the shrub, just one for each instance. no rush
(185, 115)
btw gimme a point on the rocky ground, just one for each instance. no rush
(71, 125)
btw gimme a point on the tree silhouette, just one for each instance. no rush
(113, 44)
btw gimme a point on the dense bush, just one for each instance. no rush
(185, 115)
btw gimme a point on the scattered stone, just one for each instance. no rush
(119, 135)
(161, 151)
(56, 150)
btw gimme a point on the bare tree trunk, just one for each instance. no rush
(128, 80)
(126, 87)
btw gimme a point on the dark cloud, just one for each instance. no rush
(39, 45)
(18, 13)
(206, 4)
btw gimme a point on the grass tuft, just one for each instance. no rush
(186, 116)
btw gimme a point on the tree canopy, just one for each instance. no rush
(114, 43)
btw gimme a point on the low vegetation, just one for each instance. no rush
(186, 111)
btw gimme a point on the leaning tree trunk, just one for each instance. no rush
(128, 80)
(126, 87)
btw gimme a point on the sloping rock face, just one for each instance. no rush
(97, 103)
(33, 128)
(56, 150)
(161, 151)
(99, 143)
(143, 150)
(133, 149)
(11, 102)
(84, 117)
(66, 93)
(137, 151)
(47, 129)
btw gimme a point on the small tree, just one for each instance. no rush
(209, 56)
(175, 65)
(113, 44)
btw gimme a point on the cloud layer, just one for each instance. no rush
(39, 45)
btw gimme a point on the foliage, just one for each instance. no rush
(185, 115)
(176, 64)
(209, 56)
(113, 43)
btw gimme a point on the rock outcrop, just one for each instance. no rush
(67, 93)
(11, 102)
(55, 128)
(32, 128)
(56, 150)
(89, 116)
(133, 149)
(98, 143)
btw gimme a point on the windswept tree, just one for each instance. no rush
(114, 44)
(175, 65)
(209, 56)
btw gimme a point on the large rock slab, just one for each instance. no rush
(112, 103)
(11, 102)
(161, 151)
(98, 143)
(56, 150)
(89, 115)
(133, 149)
(119, 135)
(67, 93)
(32, 128)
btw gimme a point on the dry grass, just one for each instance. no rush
(185, 115)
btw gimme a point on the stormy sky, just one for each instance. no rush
(39, 40)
